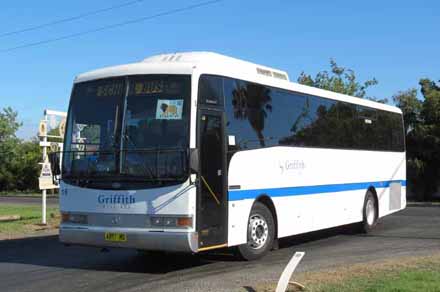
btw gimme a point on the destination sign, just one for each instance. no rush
(148, 87)
(137, 87)
(110, 89)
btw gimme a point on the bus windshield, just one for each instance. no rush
(128, 129)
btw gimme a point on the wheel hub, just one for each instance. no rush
(259, 231)
(370, 212)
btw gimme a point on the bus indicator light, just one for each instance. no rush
(184, 222)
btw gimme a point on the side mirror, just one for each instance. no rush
(194, 160)
(54, 160)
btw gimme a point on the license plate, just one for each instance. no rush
(116, 237)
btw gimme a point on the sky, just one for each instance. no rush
(396, 42)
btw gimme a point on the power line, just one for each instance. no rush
(69, 19)
(111, 26)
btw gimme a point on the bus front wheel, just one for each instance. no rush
(369, 213)
(260, 233)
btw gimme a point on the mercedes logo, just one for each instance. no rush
(116, 220)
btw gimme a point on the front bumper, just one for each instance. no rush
(136, 238)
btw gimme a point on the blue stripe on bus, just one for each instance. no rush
(235, 195)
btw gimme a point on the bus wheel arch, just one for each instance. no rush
(370, 211)
(260, 230)
(373, 191)
(266, 200)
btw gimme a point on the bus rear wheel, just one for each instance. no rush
(369, 213)
(260, 233)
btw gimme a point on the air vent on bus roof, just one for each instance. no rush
(169, 58)
(270, 73)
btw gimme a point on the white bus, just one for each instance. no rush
(190, 152)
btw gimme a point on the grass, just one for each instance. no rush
(421, 279)
(30, 219)
(393, 275)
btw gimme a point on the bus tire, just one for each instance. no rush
(369, 213)
(260, 233)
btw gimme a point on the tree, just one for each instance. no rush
(19, 169)
(431, 105)
(411, 107)
(8, 125)
(8, 146)
(422, 119)
(340, 80)
(26, 168)
(429, 136)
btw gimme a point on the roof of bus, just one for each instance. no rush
(217, 64)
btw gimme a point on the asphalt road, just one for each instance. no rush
(20, 200)
(43, 264)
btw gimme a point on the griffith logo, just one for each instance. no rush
(116, 201)
(291, 165)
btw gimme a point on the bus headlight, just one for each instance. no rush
(170, 222)
(74, 218)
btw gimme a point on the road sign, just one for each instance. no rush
(46, 179)
(42, 129)
(53, 126)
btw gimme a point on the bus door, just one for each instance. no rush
(212, 196)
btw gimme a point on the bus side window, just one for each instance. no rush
(323, 123)
(242, 121)
(346, 128)
(366, 124)
(397, 132)
(384, 131)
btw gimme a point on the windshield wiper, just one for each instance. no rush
(144, 159)
(143, 165)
